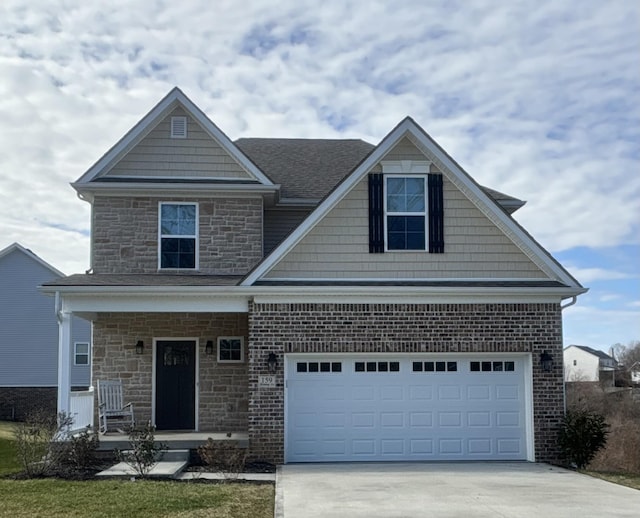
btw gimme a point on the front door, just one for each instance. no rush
(175, 384)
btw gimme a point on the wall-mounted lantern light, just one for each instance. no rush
(208, 349)
(139, 347)
(272, 362)
(546, 361)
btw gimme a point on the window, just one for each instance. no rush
(439, 366)
(405, 212)
(575, 362)
(178, 235)
(81, 353)
(492, 366)
(318, 367)
(377, 367)
(230, 349)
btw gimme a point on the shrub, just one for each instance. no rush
(226, 457)
(582, 434)
(77, 455)
(144, 452)
(33, 438)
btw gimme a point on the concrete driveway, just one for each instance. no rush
(461, 490)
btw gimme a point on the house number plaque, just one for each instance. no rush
(267, 381)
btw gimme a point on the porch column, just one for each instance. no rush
(64, 361)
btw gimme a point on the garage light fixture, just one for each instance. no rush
(272, 362)
(546, 361)
(139, 347)
(208, 348)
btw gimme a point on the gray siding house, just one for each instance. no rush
(29, 338)
(333, 300)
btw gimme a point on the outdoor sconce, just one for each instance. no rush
(272, 362)
(140, 347)
(546, 361)
(208, 349)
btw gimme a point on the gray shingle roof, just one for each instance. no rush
(305, 168)
(310, 168)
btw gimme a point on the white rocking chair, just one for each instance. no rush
(111, 408)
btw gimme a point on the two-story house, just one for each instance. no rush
(29, 338)
(583, 363)
(334, 299)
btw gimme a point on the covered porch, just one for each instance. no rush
(164, 344)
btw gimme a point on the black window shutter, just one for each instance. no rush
(436, 215)
(376, 214)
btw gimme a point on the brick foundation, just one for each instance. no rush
(394, 328)
(16, 403)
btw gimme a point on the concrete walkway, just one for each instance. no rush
(469, 490)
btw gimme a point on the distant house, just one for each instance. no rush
(582, 363)
(29, 338)
(634, 373)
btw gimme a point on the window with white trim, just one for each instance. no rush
(230, 349)
(178, 235)
(81, 353)
(405, 207)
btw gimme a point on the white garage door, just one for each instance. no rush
(372, 408)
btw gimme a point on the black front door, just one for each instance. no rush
(175, 385)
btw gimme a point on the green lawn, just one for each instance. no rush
(106, 498)
(8, 462)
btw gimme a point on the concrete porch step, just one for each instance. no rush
(171, 465)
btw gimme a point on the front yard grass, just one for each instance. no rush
(106, 498)
(8, 461)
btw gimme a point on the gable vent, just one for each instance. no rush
(178, 127)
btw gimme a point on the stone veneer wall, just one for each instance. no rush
(125, 234)
(392, 328)
(223, 387)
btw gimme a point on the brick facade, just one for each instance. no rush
(223, 391)
(125, 234)
(394, 328)
(16, 403)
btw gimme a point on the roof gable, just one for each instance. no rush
(595, 352)
(463, 182)
(175, 99)
(17, 247)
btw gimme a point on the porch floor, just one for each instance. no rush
(174, 440)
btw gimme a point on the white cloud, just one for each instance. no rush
(537, 99)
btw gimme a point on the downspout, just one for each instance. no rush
(573, 300)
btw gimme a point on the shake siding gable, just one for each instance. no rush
(474, 246)
(197, 156)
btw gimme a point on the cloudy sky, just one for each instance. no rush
(539, 99)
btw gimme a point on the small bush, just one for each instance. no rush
(582, 435)
(226, 457)
(77, 455)
(33, 439)
(144, 452)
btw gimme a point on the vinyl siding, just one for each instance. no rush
(338, 246)
(197, 156)
(278, 223)
(29, 338)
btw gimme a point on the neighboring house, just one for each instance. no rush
(333, 299)
(634, 373)
(29, 338)
(582, 363)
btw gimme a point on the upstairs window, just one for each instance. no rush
(178, 235)
(405, 212)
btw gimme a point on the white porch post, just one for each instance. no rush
(64, 361)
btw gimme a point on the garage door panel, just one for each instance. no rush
(406, 414)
